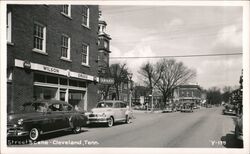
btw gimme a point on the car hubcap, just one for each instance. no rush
(78, 129)
(33, 134)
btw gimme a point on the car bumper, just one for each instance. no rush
(97, 120)
(16, 131)
(229, 112)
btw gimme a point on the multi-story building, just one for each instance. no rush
(187, 93)
(52, 54)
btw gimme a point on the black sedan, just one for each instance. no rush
(45, 116)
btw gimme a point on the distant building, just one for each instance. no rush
(52, 54)
(185, 93)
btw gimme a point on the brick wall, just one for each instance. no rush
(23, 18)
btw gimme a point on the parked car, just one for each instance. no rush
(36, 118)
(109, 112)
(229, 110)
(208, 106)
(238, 128)
(169, 108)
(187, 107)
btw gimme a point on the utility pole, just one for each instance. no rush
(152, 101)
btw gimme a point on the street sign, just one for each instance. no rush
(106, 80)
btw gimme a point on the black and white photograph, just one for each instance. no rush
(125, 77)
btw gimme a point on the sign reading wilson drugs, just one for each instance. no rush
(106, 80)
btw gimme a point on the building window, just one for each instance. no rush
(106, 44)
(85, 54)
(85, 16)
(39, 37)
(8, 31)
(65, 47)
(66, 10)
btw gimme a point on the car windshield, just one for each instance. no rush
(33, 107)
(104, 104)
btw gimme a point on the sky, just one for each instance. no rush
(178, 30)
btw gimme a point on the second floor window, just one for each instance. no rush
(85, 54)
(39, 37)
(66, 10)
(65, 47)
(85, 16)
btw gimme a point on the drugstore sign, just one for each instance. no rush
(54, 70)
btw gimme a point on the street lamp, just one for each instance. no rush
(130, 88)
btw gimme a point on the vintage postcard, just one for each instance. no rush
(125, 76)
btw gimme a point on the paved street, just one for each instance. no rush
(202, 128)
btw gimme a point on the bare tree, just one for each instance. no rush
(171, 74)
(119, 72)
(166, 75)
(149, 72)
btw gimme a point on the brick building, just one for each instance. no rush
(52, 54)
(187, 93)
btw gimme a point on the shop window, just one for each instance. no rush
(44, 93)
(76, 97)
(63, 81)
(52, 79)
(82, 84)
(62, 94)
(73, 83)
(39, 78)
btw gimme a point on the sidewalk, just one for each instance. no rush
(145, 111)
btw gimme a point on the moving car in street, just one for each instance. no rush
(109, 112)
(36, 118)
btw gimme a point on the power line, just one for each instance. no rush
(176, 56)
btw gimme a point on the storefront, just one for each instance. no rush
(59, 84)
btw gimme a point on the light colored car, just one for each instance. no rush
(110, 112)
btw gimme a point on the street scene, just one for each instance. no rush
(124, 76)
(153, 130)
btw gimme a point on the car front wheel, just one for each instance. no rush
(77, 129)
(128, 119)
(110, 122)
(34, 134)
